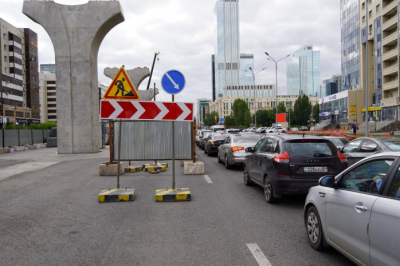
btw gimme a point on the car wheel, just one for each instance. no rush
(283, 131)
(219, 159)
(268, 191)
(205, 149)
(227, 165)
(209, 154)
(314, 229)
(246, 177)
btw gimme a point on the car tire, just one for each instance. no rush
(227, 165)
(283, 131)
(246, 177)
(219, 159)
(269, 191)
(315, 234)
(209, 154)
(205, 150)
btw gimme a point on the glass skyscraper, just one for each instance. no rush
(303, 72)
(229, 66)
(350, 34)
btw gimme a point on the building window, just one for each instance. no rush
(370, 29)
(363, 6)
(378, 8)
(5, 36)
(370, 14)
(5, 70)
(363, 19)
(5, 59)
(5, 47)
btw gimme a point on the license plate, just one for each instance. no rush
(321, 169)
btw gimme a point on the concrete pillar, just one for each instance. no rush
(76, 32)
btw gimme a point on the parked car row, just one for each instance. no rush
(353, 201)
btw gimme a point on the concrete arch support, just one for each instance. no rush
(76, 32)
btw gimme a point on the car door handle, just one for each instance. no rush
(361, 208)
(322, 194)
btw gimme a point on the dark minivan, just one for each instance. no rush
(291, 164)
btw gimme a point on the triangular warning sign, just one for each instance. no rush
(121, 88)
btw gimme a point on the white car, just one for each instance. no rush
(295, 129)
(276, 130)
(358, 211)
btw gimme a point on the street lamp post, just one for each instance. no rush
(255, 101)
(276, 84)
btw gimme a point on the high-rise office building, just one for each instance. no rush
(227, 47)
(303, 72)
(213, 76)
(51, 68)
(330, 86)
(350, 41)
(203, 108)
(229, 64)
(19, 78)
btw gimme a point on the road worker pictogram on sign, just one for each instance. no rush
(121, 88)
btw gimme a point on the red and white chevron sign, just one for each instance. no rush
(138, 110)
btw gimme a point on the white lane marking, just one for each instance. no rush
(21, 168)
(258, 255)
(208, 179)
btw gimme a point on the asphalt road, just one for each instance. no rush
(51, 217)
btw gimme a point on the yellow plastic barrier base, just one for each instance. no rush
(133, 169)
(172, 195)
(116, 195)
(155, 169)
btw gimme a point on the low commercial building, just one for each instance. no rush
(224, 105)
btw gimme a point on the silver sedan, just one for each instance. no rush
(358, 211)
(232, 151)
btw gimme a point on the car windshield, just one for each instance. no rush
(233, 131)
(338, 142)
(247, 139)
(392, 145)
(310, 148)
(206, 134)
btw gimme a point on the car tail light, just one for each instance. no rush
(342, 158)
(283, 158)
(213, 142)
(237, 148)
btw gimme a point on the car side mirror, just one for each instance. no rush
(249, 149)
(327, 181)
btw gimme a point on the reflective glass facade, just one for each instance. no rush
(246, 62)
(227, 50)
(303, 72)
(350, 27)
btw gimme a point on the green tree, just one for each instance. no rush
(247, 119)
(239, 109)
(281, 108)
(315, 112)
(229, 121)
(265, 118)
(209, 119)
(302, 110)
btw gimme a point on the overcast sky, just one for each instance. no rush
(183, 31)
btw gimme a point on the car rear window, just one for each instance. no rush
(339, 142)
(392, 145)
(220, 137)
(310, 148)
(206, 134)
(247, 139)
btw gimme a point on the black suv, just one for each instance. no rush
(290, 164)
(212, 143)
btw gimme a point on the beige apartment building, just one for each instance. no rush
(223, 105)
(383, 59)
(48, 99)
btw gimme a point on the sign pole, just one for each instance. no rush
(119, 151)
(173, 150)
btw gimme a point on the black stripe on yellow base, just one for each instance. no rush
(155, 168)
(171, 195)
(115, 195)
(133, 169)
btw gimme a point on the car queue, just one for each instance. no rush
(352, 188)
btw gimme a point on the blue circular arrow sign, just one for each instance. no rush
(173, 82)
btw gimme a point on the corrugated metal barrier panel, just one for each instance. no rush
(11, 138)
(1, 139)
(25, 137)
(153, 141)
(37, 136)
(47, 134)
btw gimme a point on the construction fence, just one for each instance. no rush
(23, 137)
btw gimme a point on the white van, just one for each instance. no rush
(217, 128)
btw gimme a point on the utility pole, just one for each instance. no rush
(366, 68)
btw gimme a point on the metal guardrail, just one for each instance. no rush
(384, 123)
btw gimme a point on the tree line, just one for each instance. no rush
(241, 117)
